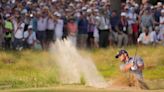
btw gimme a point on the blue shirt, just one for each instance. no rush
(82, 26)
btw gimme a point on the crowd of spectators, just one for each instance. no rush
(87, 23)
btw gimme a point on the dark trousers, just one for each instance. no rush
(17, 43)
(103, 38)
(7, 43)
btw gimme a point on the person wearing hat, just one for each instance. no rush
(123, 31)
(8, 29)
(59, 25)
(132, 66)
(29, 38)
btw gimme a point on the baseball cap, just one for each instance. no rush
(123, 14)
(30, 27)
(120, 53)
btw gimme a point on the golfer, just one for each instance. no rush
(134, 67)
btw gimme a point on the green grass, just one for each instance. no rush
(33, 69)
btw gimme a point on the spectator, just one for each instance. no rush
(147, 20)
(41, 29)
(8, 30)
(146, 38)
(30, 38)
(114, 25)
(162, 26)
(1, 32)
(123, 31)
(72, 31)
(59, 24)
(82, 30)
(50, 29)
(18, 34)
(104, 28)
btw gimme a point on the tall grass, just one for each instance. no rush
(36, 69)
(27, 69)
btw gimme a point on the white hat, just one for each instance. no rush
(104, 0)
(159, 4)
(7, 15)
(30, 27)
(71, 4)
(24, 11)
(123, 14)
(89, 10)
(157, 28)
(84, 8)
(136, 5)
(54, 0)
(29, 2)
(152, 7)
(57, 14)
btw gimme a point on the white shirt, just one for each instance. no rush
(31, 39)
(162, 27)
(145, 39)
(132, 18)
(50, 24)
(103, 23)
(153, 36)
(59, 28)
(18, 33)
(42, 24)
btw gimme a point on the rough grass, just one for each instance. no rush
(34, 69)
(27, 69)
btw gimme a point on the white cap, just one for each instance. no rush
(104, 0)
(84, 8)
(30, 27)
(57, 14)
(54, 0)
(123, 14)
(89, 10)
(29, 2)
(152, 7)
(7, 15)
(24, 11)
(71, 4)
(159, 4)
(136, 5)
(157, 28)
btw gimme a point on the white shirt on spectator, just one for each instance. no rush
(131, 18)
(42, 24)
(161, 28)
(145, 39)
(19, 31)
(59, 29)
(31, 38)
(153, 36)
(50, 24)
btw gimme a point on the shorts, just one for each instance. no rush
(49, 35)
(90, 35)
(41, 35)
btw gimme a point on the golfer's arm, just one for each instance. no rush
(127, 67)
